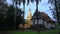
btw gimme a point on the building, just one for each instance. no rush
(42, 20)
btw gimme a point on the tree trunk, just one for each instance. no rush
(15, 18)
(57, 12)
(23, 15)
(37, 6)
(37, 16)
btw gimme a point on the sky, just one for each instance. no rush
(43, 6)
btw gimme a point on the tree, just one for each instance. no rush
(56, 9)
(17, 2)
(3, 9)
(7, 16)
(11, 14)
(37, 2)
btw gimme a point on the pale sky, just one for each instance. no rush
(43, 6)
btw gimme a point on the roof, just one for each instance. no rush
(36, 15)
(41, 15)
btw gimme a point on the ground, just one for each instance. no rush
(51, 31)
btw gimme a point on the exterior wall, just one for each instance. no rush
(32, 22)
(48, 25)
(40, 21)
(52, 25)
(35, 21)
(45, 23)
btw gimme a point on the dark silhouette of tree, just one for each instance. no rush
(7, 16)
(18, 16)
(23, 13)
(37, 2)
(16, 2)
(3, 9)
(56, 9)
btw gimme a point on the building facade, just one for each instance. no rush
(41, 18)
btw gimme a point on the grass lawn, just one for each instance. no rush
(51, 31)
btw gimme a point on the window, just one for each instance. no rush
(35, 21)
(32, 22)
(34, 16)
(39, 21)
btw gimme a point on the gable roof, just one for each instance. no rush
(41, 15)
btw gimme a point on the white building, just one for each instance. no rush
(41, 18)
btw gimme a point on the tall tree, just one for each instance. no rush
(7, 16)
(18, 15)
(56, 9)
(37, 2)
(3, 9)
(16, 2)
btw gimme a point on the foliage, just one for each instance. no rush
(56, 9)
(7, 17)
